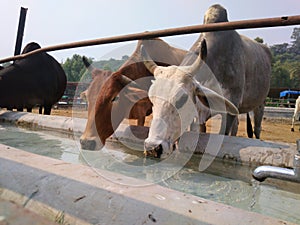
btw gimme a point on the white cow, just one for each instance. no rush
(296, 113)
(178, 98)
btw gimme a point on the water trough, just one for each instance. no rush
(80, 194)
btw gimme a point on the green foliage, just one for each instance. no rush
(295, 48)
(286, 63)
(111, 64)
(259, 40)
(280, 76)
(76, 70)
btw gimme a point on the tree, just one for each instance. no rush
(125, 57)
(279, 49)
(107, 67)
(74, 68)
(295, 47)
(286, 63)
(76, 71)
(280, 76)
(294, 70)
(259, 40)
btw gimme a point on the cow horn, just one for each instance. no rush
(86, 62)
(215, 101)
(126, 80)
(201, 56)
(148, 62)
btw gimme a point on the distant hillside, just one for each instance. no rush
(111, 64)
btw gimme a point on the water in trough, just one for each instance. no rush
(224, 182)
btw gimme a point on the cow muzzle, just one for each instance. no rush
(88, 144)
(153, 151)
(161, 150)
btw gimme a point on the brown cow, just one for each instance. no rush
(89, 139)
(109, 102)
(89, 136)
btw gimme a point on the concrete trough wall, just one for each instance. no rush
(244, 150)
(77, 194)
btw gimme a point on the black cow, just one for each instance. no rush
(36, 80)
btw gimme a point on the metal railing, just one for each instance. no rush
(279, 102)
(244, 24)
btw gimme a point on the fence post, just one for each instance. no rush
(20, 31)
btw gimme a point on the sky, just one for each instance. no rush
(52, 22)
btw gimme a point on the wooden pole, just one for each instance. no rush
(244, 24)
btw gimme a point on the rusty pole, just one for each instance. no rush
(245, 24)
(20, 31)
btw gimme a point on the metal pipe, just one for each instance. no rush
(245, 24)
(263, 172)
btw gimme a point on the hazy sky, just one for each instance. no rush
(51, 22)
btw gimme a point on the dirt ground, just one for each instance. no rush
(272, 130)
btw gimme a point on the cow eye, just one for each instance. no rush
(116, 98)
(181, 101)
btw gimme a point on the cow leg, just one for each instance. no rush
(294, 118)
(249, 126)
(20, 109)
(293, 122)
(234, 128)
(40, 109)
(226, 124)
(203, 128)
(141, 121)
(195, 125)
(29, 109)
(223, 124)
(258, 116)
(47, 109)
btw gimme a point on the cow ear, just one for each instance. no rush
(214, 101)
(90, 67)
(203, 50)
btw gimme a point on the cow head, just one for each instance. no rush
(215, 14)
(31, 47)
(89, 140)
(176, 96)
(119, 98)
(114, 104)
